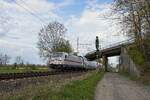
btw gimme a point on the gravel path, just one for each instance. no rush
(116, 87)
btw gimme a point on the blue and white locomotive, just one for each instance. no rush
(61, 60)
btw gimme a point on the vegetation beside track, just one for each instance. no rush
(82, 89)
(78, 89)
(22, 69)
(136, 55)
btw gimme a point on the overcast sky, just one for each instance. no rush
(21, 20)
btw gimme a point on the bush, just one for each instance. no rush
(136, 55)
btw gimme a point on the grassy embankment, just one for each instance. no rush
(138, 59)
(136, 55)
(82, 89)
(22, 69)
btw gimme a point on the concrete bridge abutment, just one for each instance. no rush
(127, 65)
(105, 62)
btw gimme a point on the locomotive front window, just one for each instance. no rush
(57, 55)
(65, 56)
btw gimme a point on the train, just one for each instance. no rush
(62, 60)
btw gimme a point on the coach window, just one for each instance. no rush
(65, 56)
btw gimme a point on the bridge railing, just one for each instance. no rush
(125, 42)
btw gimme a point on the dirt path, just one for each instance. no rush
(116, 87)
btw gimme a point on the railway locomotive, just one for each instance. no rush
(62, 60)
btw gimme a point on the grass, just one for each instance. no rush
(81, 90)
(74, 90)
(21, 69)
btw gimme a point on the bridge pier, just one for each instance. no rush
(105, 62)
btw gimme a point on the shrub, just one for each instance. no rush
(136, 55)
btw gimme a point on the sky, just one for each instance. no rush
(21, 20)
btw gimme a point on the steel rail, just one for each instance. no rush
(14, 76)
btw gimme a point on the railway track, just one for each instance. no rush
(9, 76)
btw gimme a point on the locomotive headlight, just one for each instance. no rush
(60, 58)
(60, 62)
(56, 61)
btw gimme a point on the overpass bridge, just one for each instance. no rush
(108, 51)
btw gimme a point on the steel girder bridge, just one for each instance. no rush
(108, 51)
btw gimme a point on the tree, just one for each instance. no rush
(51, 39)
(4, 59)
(1, 59)
(135, 20)
(18, 60)
(63, 46)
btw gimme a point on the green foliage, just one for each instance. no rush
(20, 69)
(136, 55)
(81, 90)
(135, 21)
(63, 46)
(76, 90)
